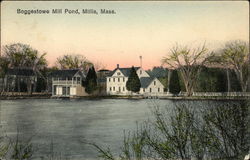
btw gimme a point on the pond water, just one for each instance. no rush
(65, 125)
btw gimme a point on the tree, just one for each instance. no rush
(174, 86)
(158, 72)
(236, 55)
(4, 63)
(133, 84)
(212, 80)
(21, 55)
(227, 127)
(189, 62)
(73, 61)
(91, 81)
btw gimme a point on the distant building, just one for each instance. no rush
(20, 80)
(116, 82)
(68, 83)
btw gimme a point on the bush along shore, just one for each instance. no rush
(23, 95)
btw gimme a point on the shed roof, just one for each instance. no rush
(145, 81)
(21, 72)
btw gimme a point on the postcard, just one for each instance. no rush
(124, 80)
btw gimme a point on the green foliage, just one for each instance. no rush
(133, 84)
(174, 84)
(236, 55)
(91, 81)
(4, 63)
(158, 72)
(212, 80)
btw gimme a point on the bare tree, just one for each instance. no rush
(189, 61)
(73, 61)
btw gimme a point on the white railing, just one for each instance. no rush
(218, 94)
(63, 82)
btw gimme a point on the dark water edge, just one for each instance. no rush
(68, 124)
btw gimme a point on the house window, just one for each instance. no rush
(113, 88)
(118, 73)
(158, 89)
(113, 79)
(154, 82)
(55, 90)
(118, 79)
(123, 88)
(140, 71)
(110, 88)
(119, 89)
(150, 89)
(123, 79)
(109, 79)
(143, 89)
(78, 80)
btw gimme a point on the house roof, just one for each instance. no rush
(104, 70)
(145, 81)
(125, 71)
(21, 72)
(65, 73)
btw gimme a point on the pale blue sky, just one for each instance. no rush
(142, 28)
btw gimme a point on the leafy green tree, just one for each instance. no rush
(174, 85)
(133, 84)
(235, 55)
(212, 80)
(91, 81)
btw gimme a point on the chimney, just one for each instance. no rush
(117, 66)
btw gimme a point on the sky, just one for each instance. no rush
(144, 28)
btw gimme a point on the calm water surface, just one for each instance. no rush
(68, 123)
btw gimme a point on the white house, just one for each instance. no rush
(68, 83)
(116, 82)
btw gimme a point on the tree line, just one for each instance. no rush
(188, 69)
(193, 64)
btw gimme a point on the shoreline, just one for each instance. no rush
(48, 96)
